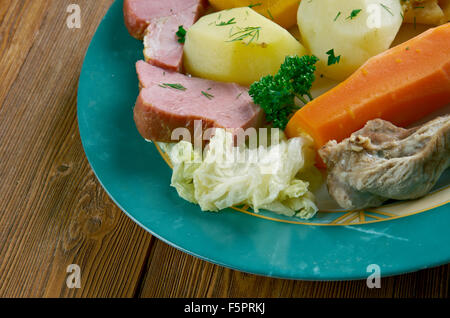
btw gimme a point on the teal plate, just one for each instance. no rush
(137, 178)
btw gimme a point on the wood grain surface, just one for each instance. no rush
(53, 211)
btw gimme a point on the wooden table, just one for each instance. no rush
(53, 211)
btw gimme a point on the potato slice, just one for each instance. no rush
(237, 45)
(355, 30)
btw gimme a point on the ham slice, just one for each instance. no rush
(161, 109)
(157, 22)
(139, 13)
(161, 43)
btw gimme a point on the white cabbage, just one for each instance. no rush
(263, 178)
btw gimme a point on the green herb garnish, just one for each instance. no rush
(181, 34)
(332, 58)
(174, 86)
(255, 5)
(387, 9)
(337, 16)
(229, 22)
(354, 13)
(207, 95)
(277, 94)
(250, 33)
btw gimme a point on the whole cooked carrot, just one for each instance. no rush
(401, 85)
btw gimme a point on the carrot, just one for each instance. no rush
(401, 85)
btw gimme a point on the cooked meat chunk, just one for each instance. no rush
(162, 47)
(139, 14)
(160, 108)
(382, 161)
(159, 22)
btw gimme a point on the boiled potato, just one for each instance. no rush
(237, 45)
(425, 11)
(283, 12)
(354, 29)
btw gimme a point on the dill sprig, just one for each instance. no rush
(387, 9)
(229, 22)
(207, 95)
(255, 5)
(174, 86)
(337, 16)
(249, 33)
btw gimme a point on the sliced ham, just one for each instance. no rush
(161, 43)
(139, 13)
(160, 109)
(157, 21)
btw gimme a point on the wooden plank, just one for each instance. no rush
(172, 273)
(53, 211)
(19, 27)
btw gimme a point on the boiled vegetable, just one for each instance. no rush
(426, 11)
(355, 30)
(264, 178)
(401, 85)
(283, 12)
(237, 45)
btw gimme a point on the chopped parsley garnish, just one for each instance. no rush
(207, 95)
(174, 86)
(270, 14)
(277, 94)
(354, 13)
(181, 34)
(250, 33)
(332, 58)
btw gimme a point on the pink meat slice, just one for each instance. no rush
(139, 13)
(161, 42)
(160, 109)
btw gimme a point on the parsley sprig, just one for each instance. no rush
(354, 14)
(181, 34)
(277, 94)
(332, 58)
